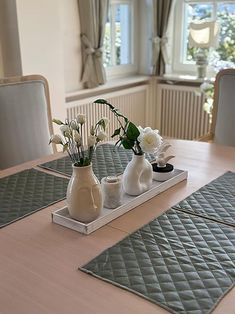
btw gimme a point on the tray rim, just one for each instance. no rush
(119, 211)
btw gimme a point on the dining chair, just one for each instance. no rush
(222, 130)
(223, 114)
(25, 119)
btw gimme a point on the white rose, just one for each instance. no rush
(77, 137)
(56, 139)
(81, 118)
(149, 140)
(101, 135)
(91, 140)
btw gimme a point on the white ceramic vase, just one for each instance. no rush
(84, 195)
(138, 176)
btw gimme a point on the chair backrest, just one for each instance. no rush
(25, 119)
(223, 123)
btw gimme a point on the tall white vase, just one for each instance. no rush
(84, 195)
(138, 176)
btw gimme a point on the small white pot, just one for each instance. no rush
(162, 173)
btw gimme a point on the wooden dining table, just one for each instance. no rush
(39, 259)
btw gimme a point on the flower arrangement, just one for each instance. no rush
(72, 139)
(137, 139)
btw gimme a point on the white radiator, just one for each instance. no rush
(180, 112)
(131, 102)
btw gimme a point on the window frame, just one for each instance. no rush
(179, 65)
(131, 68)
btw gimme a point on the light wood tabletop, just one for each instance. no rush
(39, 259)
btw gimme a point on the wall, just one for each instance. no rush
(41, 46)
(70, 28)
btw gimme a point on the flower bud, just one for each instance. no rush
(91, 140)
(105, 122)
(64, 128)
(74, 125)
(77, 137)
(101, 136)
(81, 118)
(56, 139)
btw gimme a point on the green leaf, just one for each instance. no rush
(103, 101)
(127, 144)
(57, 121)
(116, 132)
(132, 131)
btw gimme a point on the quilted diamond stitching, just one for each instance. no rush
(28, 191)
(215, 200)
(108, 160)
(182, 262)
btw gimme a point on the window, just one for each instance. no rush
(221, 11)
(119, 49)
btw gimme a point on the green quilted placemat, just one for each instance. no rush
(108, 160)
(215, 200)
(28, 191)
(181, 262)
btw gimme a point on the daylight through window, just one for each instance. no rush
(118, 34)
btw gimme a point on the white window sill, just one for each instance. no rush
(190, 79)
(110, 86)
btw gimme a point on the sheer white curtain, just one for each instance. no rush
(93, 16)
(161, 12)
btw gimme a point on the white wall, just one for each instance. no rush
(41, 45)
(71, 45)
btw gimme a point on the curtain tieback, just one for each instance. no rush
(160, 45)
(94, 51)
(89, 50)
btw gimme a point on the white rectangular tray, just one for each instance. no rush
(61, 216)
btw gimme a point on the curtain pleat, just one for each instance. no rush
(161, 12)
(93, 17)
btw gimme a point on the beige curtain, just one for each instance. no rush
(161, 12)
(93, 16)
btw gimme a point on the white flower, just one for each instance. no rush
(74, 125)
(64, 129)
(56, 139)
(105, 121)
(101, 136)
(81, 118)
(91, 140)
(77, 137)
(208, 105)
(149, 140)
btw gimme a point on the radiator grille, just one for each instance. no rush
(182, 114)
(130, 102)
